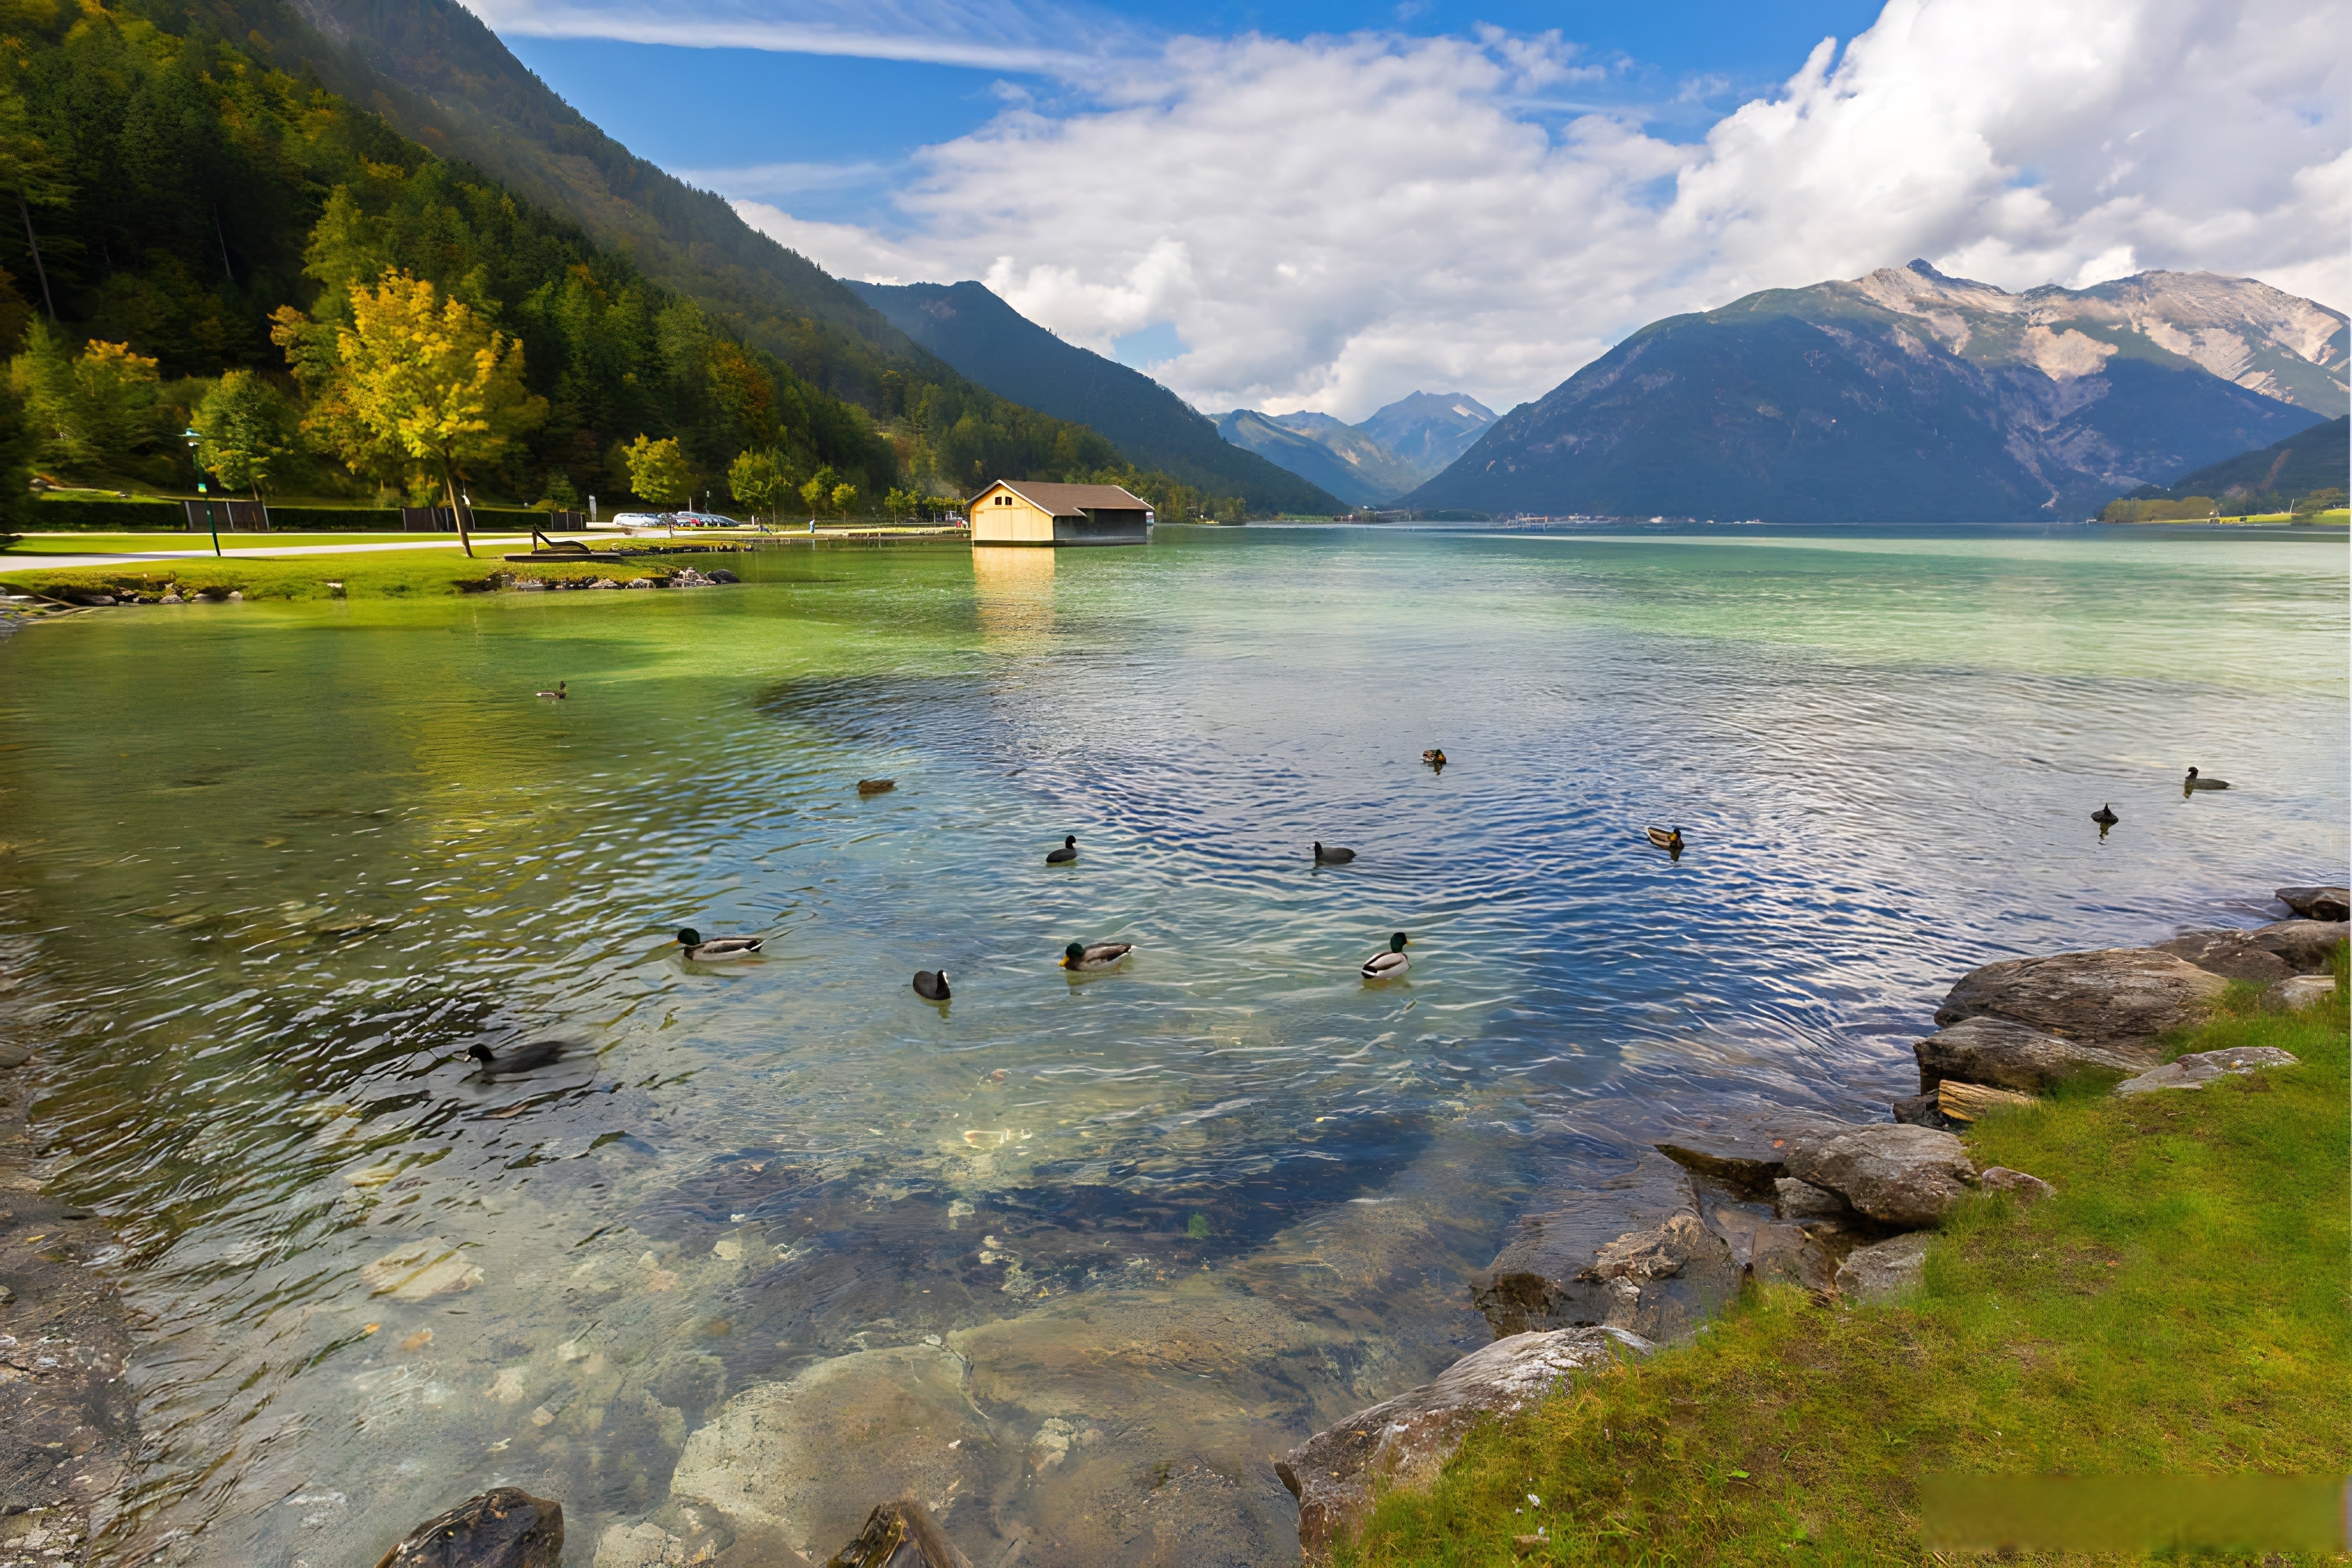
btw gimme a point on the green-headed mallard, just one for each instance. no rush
(1065, 853)
(1390, 964)
(1669, 839)
(1089, 958)
(931, 985)
(718, 948)
(1332, 857)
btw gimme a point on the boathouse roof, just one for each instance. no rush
(1072, 500)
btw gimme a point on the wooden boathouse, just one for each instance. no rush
(1023, 511)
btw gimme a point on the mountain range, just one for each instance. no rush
(1371, 462)
(1909, 395)
(995, 346)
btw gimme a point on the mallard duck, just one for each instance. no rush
(718, 948)
(1434, 757)
(931, 985)
(1334, 856)
(1669, 839)
(1065, 853)
(1088, 958)
(876, 786)
(2106, 816)
(521, 1059)
(2193, 782)
(555, 696)
(1390, 964)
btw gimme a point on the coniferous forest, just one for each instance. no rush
(188, 221)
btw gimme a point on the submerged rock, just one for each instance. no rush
(2203, 1068)
(420, 1270)
(1898, 1175)
(1888, 1269)
(1532, 1283)
(1747, 1151)
(503, 1527)
(899, 1535)
(2004, 1054)
(1403, 1442)
(2317, 903)
(2116, 997)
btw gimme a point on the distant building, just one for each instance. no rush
(1023, 511)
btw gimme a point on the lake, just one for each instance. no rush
(269, 872)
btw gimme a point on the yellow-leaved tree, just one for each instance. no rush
(657, 471)
(422, 379)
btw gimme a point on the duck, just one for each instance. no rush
(1334, 855)
(2193, 782)
(1669, 839)
(1065, 853)
(2106, 817)
(1089, 958)
(521, 1059)
(718, 948)
(1434, 757)
(876, 786)
(1390, 964)
(557, 695)
(931, 984)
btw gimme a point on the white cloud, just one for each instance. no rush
(1334, 222)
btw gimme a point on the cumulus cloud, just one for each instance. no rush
(1330, 223)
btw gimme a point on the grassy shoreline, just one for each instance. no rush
(2179, 1309)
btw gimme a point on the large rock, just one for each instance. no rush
(2203, 1068)
(1887, 1270)
(2002, 1055)
(1745, 1150)
(503, 1527)
(1403, 1442)
(1895, 1175)
(2317, 903)
(1768, 1250)
(1524, 1288)
(2118, 997)
(2232, 954)
(2308, 947)
(2297, 992)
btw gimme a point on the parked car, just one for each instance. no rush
(634, 519)
(704, 520)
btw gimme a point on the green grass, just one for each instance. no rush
(137, 543)
(392, 574)
(2180, 1307)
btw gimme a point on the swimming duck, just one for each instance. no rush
(718, 948)
(1669, 839)
(1065, 853)
(1434, 757)
(1086, 958)
(931, 985)
(555, 696)
(521, 1059)
(1390, 964)
(876, 786)
(1334, 856)
(2193, 782)
(2106, 817)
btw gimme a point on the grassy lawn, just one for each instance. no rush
(2179, 1309)
(140, 543)
(393, 573)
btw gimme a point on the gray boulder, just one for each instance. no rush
(2004, 1054)
(1895, 1175)
(2232, 954)
(2025, 1189)
(2297, 992)
(1924, 1110)
(1745, 1150)
(1886, 1270)
(2118, 998)
(1769, 1250)
(2308, 947)
(505, 1527)
(2203, 1068)
(1403, 1442)
(1796, 1200)
(1538, 1281)
(2317, 903)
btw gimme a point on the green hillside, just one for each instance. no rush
(2271, 477)
(988, 339)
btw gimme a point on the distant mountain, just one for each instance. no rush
(1368, 463)
(1427, 430)
(1910, 396)
(2308, 461)
(995, 346)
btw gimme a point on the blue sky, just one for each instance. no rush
(828, 136)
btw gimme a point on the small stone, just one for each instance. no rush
(417, 1340)
(1798, 1200)
(170, 599)
(419, 1271)
(542, 1416)
(729, 1249)
(641, 582)
(2297, 992)
(7, 1296)
(2025, 1189)
(13, 1055)
(507, 1387)
(1887, 1270)
(2203, 1068)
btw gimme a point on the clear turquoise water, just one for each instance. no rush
(1883, 751)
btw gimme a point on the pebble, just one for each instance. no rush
(15, 1056)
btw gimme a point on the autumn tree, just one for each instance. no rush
(657, 470)
(91, 412)
(844, 497)
(243, 429)
(423, 379)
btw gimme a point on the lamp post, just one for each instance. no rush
(202, 489)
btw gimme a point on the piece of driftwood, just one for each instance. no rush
(899, 1535)
(1967, 1101)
